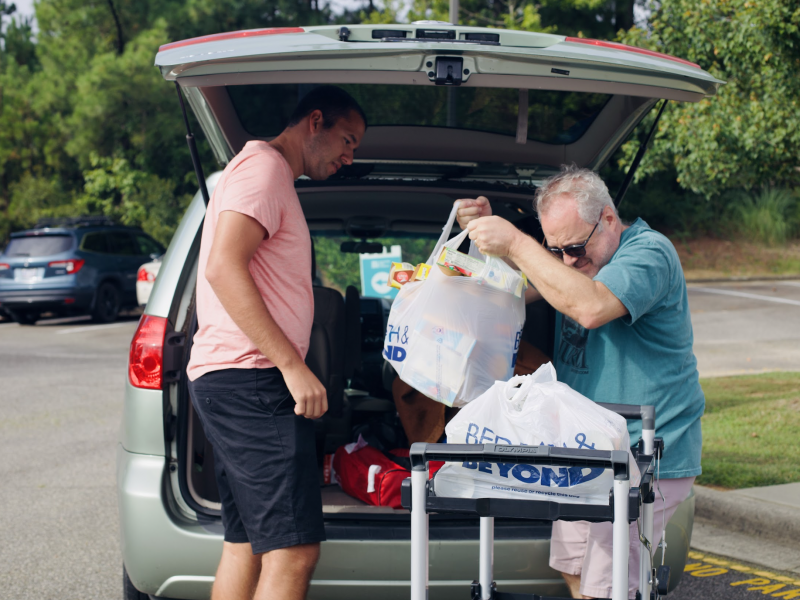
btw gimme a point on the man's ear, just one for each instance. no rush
(315, 121)
(608, 216)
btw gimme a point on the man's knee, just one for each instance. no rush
(298, 559)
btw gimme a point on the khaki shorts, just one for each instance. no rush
(581, 548)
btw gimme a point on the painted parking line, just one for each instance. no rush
(90, 328)
(745, 295)
(755, 579)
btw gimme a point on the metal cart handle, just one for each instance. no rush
(617, 460)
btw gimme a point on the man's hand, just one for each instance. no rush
(470, 209)
(494, 236)
(310, 397)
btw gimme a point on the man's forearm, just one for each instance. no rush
(241, 299)
(567, 290)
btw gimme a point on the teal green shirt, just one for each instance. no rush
(646, 356)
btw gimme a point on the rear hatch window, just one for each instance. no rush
(554, 117)
(38, 245)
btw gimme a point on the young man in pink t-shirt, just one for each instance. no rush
(248, 380)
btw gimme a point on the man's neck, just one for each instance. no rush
(291, 149)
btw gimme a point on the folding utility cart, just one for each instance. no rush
(625, 505)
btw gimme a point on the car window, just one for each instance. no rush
(553, 117)
(95, 242)
(122, 243)
(367, 272)
(148, 245)
(38, 245)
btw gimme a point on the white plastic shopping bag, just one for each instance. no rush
(534, 410)
(451, 338)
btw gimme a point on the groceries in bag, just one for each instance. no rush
(454, 263)
(402, 273)
(371, 475)
(451, 338)
(534, 410)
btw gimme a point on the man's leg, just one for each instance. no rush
(237, 574)
(286, 573)
(567, 550)
(574, 584)
(597, 567)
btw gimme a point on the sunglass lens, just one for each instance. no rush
(575, 252)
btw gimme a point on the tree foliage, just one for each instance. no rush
(87, 124)
(748, 136)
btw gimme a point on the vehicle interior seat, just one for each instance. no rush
(326, 356)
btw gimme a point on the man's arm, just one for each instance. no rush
(572, 293)
(236, 240)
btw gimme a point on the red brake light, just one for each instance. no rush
(627, 48)
(231, 35)
(4, 266)
(144, 275)
(146, 362)
(72, 266)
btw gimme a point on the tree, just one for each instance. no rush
(748, 136)
(586, 18)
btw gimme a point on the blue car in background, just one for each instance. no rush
(72, 267)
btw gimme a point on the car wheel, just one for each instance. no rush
(128, 591)
(26, 317)
(106, 303)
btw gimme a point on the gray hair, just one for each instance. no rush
(585, 186)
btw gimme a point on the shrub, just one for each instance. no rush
(768, 217)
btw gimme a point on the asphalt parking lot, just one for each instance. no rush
(60, 409)
(747, 327)
(61, 403)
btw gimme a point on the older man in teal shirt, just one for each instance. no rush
(623, 335)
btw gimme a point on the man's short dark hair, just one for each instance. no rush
(332, 101)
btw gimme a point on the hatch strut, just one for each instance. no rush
(198, 168)
(638, 158)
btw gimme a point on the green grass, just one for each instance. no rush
(751, 430)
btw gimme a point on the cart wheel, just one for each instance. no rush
(662, 576)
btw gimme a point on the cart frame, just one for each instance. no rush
(626, 504)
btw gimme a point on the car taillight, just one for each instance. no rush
(4, 266)
(145, 275)
(146, 362)
(72, 266)
(618, 46)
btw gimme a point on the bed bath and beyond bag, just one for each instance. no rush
(534, 410)
(451, 338)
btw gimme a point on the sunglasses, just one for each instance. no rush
(575, 251)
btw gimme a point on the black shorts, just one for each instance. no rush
(264, 457)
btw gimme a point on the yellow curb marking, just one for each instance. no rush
(764, 583)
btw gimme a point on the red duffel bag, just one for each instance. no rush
(374, 476)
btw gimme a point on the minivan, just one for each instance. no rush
(454, 112)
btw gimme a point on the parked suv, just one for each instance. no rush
(453, 112)
(73, 266)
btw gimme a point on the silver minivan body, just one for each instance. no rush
(472, 134)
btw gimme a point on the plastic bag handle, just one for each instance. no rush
(448, 227)
(512, 393)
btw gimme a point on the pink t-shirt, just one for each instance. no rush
(258, 183)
